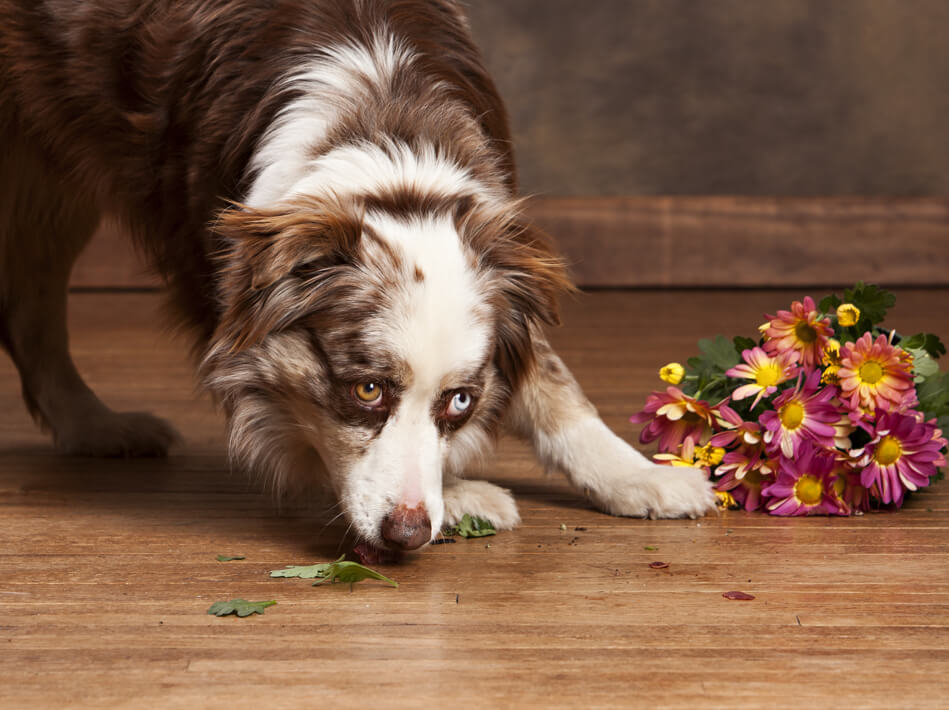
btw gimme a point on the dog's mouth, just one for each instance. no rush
(404, 528)
(371, 555)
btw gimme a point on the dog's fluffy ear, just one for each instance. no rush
(264, 250)
(265, 246)
(525, 278)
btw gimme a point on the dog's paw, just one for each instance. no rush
(118, 434)
(660, 492)
(480, 499)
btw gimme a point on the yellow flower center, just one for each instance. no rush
(752, 479)
(808, 489)
(792, 415)
(768, 375)
(805, 332)
(709, 455)
(870, 372)
(840, 485)
(888, 451)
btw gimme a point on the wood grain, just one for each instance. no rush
(749, 241)
(694, 242)
(107, 568)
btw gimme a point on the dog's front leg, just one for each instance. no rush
(551, 412)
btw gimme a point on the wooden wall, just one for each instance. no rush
(695, 241)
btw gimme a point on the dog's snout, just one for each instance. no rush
(407, 528)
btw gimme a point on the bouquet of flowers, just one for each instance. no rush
(826, 413)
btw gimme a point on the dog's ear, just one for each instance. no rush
(525, 278)
(272, 261)
(264, 246)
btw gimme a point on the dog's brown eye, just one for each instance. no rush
(368, 393)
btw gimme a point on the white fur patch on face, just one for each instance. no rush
(365, 168)
(328, 84)
(439, 326)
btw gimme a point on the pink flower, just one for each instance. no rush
(902, 457)
(736, 430)
(767, 372)
(804, 486)
(876, 375)
(798, 331)
(802, 414)
(745, 471)
(673, 417)
(851, 494)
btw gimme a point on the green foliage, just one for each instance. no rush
(241, 607)
(720, 352)
(873, 302)
(925, 341)
(352, 572)
(923, 365)
(229, 558)
(470, 527)
(338, 571)
(306, 572)
(933, 395)
(742, 343)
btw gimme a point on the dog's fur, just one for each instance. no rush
(328, 188)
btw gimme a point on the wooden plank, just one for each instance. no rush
(107, 568)
(749, 241)
(695, 242)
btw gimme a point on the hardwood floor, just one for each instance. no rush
(107, 567)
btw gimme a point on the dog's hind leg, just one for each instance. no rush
(551, 412)
(43, 226)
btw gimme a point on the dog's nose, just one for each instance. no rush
(407, 528)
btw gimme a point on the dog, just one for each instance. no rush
(328, 189)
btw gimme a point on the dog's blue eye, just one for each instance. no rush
(459, 404)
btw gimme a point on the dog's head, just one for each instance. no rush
(375, 344)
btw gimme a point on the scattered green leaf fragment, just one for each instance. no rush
(471, 527)
(229, 558)
(650, 548)
(338, 571)
(241, 607)
(306, 572)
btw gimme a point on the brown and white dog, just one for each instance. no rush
(328, 188)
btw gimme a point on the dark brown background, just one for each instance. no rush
(739, 97)
(717, 142)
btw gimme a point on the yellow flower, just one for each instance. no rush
(847, 314)
(726, 500)
(709, 455)
(672, 373)
(831, 376)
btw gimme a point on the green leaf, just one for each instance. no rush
(742, 343)
(352, 572)
(720, 352)
(829, 304)
(241, 607)
(338, 571)
(933, 395)
(471, 527)
(229, 558)
(307, 572)
(923, 365)
(872, 301)
(925, 341)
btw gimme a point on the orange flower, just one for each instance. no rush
(876, 375)
(798, 331)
